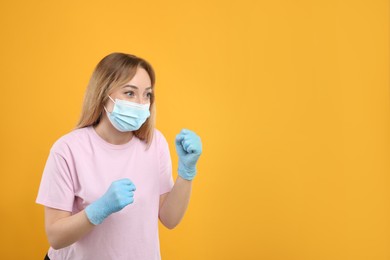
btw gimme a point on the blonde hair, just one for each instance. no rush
(113, 71)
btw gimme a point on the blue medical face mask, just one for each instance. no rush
(127, 116)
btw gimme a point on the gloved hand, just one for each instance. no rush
(188, 148)
(119, 195)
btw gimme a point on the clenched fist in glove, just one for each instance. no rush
(188, 148)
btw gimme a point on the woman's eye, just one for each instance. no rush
(150, 95)
(130, 93)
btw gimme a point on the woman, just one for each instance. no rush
(106, 183)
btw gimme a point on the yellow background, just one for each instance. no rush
(290, 98)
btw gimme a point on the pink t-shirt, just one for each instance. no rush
(80, 168)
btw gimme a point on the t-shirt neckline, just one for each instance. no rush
(108, 145)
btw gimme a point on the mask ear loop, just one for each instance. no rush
(111, 98)
(105, 106)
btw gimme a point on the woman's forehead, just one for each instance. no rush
(141, 79)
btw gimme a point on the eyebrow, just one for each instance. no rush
(135, 87)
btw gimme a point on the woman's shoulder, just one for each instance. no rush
(69, 139)
(158, 136)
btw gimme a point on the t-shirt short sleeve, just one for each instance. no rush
(165, 165)
(56, 189)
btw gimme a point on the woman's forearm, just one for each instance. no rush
(64, 229)
(176, 203)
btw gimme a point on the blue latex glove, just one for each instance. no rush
(119, 195)
(188, 148)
